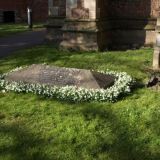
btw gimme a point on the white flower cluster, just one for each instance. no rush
(121, 86)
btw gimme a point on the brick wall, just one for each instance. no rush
(20, 6)
(41, 11)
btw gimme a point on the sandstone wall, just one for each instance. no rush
(128, 22)
(104, 22)
(57, 8)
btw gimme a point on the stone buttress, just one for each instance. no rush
(102, 24)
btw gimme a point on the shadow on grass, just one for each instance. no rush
(129, 143)
(25, 145)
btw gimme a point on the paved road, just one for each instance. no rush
(20, 41)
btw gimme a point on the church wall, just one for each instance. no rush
(130, 22)
(109, 23)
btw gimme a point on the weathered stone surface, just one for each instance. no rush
(156, 55)
(117, 23)
(58, 76)
(54, 30)
(80, 11)
(80, 35)
(156, 58)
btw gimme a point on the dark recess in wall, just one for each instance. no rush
(9, 16)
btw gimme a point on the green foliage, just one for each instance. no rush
(33, 128)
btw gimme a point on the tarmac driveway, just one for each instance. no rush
(20, 41)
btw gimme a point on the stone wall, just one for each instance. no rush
(80, 28)
(106, 23)
(57, 8)
(128, 22)
(57, 15)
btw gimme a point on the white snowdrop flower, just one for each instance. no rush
(3, 91)
(122, 85)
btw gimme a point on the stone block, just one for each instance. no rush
(54, 11)
(80, 35)
(91, 5)
(59, 76)
(156, 58)
(54, 31)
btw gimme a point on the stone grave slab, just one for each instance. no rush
(60, 76)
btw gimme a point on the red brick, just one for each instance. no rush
(40, 10)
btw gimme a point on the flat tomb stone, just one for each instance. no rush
(60, 76)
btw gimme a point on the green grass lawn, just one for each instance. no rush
(9, 29)
(35, 128)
